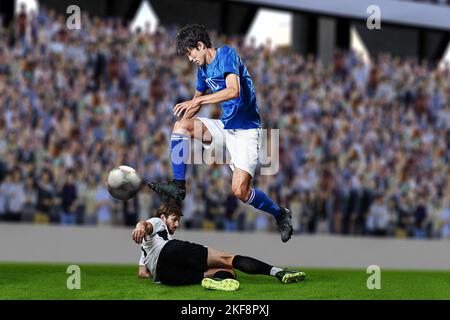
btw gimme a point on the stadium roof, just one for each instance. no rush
(392, 11)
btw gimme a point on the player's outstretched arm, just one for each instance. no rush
(142, 229)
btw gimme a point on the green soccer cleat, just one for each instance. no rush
(288, 276)
(220, 284)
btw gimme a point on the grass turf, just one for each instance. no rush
(48, 281)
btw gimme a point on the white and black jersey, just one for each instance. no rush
(152, 245)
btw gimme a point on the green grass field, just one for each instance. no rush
(48, 281)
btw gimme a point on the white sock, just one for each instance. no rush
(274, 270)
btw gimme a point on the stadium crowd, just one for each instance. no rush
(364, 147)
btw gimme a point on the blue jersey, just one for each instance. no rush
(238, 113)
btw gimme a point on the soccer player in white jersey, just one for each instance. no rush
(222, 77)
(175, 262)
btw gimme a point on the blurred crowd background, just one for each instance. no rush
(364, 146)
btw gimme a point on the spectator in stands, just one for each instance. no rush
(421, 218)
(199, 209)
(378, 217)
(296, 207)
(22, 22)
(130, 210)
(68, 196)
(404, 217)
(444, 218)
(103, 204)
(16, 197)
(30, 201)
(46, 195)
(145, 205)
(306, 212)
(5, 190)
(90, 216)
(231, 209)
(80, 202)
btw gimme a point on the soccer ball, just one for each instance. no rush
(123, 183)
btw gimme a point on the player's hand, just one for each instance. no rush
(190, 113)
(189, 108)
(138, 234)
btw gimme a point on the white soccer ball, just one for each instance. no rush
(123, 183)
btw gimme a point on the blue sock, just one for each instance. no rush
(179, 152)
(261, 201)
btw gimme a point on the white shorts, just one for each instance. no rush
(242, 144)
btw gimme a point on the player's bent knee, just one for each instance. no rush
(183, 126)
(228, 261)
(241, 188)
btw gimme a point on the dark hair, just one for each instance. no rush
(48, 173)
(167, 209)
(189, 36)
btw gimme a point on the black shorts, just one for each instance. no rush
(181, 263)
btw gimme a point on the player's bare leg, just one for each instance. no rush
(240, 184)
(219, 259)
(183, 131)
(240, 187)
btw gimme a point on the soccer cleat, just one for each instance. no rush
(220, 284)
(285, 224)
(169, 189)
(288, 276)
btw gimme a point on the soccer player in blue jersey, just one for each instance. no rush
(223, 73)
